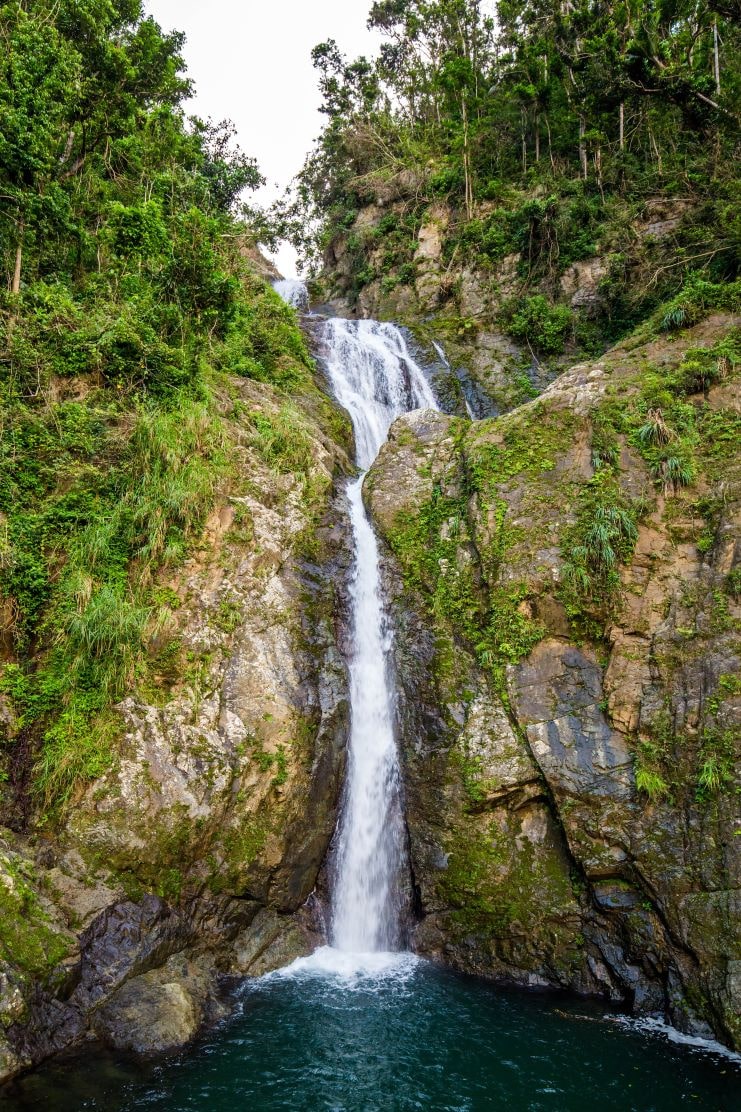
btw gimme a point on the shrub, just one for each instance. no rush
(696, 299)
(542, 325)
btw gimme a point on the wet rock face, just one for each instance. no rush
(557, 696)
(541, 852)
(150, 975)
(151, 1015)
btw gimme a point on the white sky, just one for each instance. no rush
(251, 63)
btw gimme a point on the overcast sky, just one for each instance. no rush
(251, 63)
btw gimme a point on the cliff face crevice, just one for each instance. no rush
(570, 730)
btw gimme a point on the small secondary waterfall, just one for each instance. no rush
(294, 291)
(376, 379)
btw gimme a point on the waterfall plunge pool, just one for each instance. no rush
(393, 1033)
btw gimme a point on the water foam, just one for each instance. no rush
(652, 1025)
(351, 970)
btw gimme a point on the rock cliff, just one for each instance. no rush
(564, 586)
(191, 858)
(516, 295)
(567, 612)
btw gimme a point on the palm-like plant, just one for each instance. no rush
(655, 430)
(576, 575)
(673, 472)
(674, 318)
(610, 527)
(606, 455)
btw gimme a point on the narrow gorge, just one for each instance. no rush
(488, 820)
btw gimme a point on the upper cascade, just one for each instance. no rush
(375, 377)
(294, 291)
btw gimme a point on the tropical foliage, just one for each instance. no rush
(125, 294)
(546, 127)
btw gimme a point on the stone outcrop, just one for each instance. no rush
(189, 861)
(581, 282)
(570, 765)
(420, 261)
(259, 263)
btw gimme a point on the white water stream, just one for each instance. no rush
(294, 291)
(376, 379)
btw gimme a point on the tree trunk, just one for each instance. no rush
(716, 58)
(537, 138)
(583, 148)
(598, 170)
(622, 125)
(550, 148)
(523, 135)
(467, 161)
(16, 286)
(655, 145)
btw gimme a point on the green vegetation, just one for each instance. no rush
(128, 299)
(477, 550)
(651, 782)
(697, 298)
(446, 558)
(493, 881)
(600, 541)
(718, 763)
(667, 762)
(536, 322)
(547, 135)
(282, 440)
(241, 846)
(667, 420)
(27, 938)
(672, 426)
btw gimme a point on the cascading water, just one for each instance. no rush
(446, 364)
(294, 291)
(366, 1028)
(375, 378)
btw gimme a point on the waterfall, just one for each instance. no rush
(446, 363)
(294, 291)
(376, 379)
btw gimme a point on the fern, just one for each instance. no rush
(651, 784)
